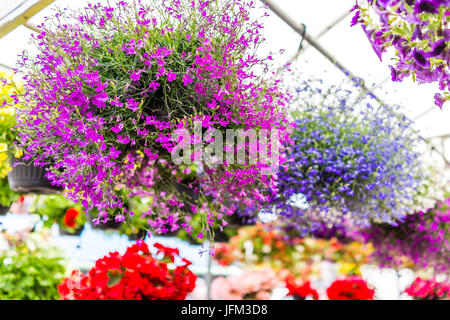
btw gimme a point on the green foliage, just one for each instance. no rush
(7, 196)
(30, 274)
(197, 223)
(136, 223)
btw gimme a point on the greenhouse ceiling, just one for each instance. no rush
(326, 21)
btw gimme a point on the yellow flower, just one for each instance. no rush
(3, 156)
(3, 147)
(347, 268)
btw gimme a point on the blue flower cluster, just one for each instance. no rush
(352, 159)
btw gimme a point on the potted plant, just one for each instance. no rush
(56, 209)
(26, 177)
(419, 242)
(128, 94)
(135, 275)
(23, 177)
(29, 270)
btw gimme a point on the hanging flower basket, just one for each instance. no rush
(352, 160)
(4, 210)
(144, 75)
(27, 178)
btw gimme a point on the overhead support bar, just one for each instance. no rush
(22, 16)
(322, 33)
(4, 66)
(32, 26)
(300, 29)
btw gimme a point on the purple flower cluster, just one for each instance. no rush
(353, 161)
(421, 241)
(109, 87)
(418, 30)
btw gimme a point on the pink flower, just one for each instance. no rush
(171, 76)
(120, 218)
(116, 102)
(161, 72)
(124, 140)
(100, 99)
(117, 128)
(132, 105)
(135, 76)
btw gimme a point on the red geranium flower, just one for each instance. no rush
(300, 290)
(135, 275)
(351, 288)
(70, 217)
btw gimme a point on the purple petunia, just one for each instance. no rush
(418, 31)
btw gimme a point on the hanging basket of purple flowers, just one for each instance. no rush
(421, 241)
(113, 87)
(352, 161)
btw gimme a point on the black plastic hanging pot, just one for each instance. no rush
(25, 178)
(220, 236)
(77, 232)
(4, 210)
(235, 220)
(137, 236)
(108, 225)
